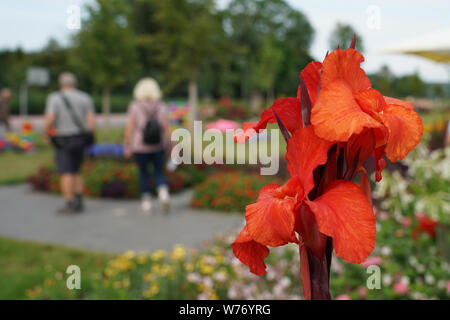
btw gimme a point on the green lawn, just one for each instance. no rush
(25, 265)
(17, 167)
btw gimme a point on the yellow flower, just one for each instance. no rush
(49, 282)
(213, 294)
(178, 253)
(117, 284)
(218, 257)
(122, 264)
(156, 268)
(126, 283)
(141, 259)
(33, 293)
(201, 287)
(189, 267)
(206, 269)
(165, 270)
(148, 277)
(128, 254)
(157, 255)
(110, 272)
(152, 290)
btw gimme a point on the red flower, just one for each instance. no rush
(341, 212)
(347, 105)
(426, 224)
(333, 125)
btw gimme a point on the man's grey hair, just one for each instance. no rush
(67, 79)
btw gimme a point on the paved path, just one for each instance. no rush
(107, 225)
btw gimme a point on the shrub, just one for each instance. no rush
(109, 179)
(229, 190)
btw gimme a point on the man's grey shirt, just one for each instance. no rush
(81, 104)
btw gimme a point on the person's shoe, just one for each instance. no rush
(146, 205)
(163, 196)
(78, 203)
(67, 209)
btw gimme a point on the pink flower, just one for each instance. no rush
(362, 292)
(406, 221)
(223, 125)
(448, 286)
(401, 287)
(420, 215)
(343, 297)
(372, 261)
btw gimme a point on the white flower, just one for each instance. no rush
(429, 279)
(412, 260)
(386, 251)
(194, 277)
(420, 268)
(285, 282)
(207, 282)
(405, 280)
(220, 276)
(387, 279)
(417, 295)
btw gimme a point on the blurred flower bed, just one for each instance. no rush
(435, 131)
(230, 109)
(19, 142)
(412, 246)
(111, 179)
(410, 269)
(105, 150)
(230, 190)
(424, 188)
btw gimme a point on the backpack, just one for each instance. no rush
(152, 130)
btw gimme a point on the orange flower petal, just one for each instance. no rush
(336, 116)
(405, 130)
(305, 152)
(270, 221)
(250, 252)
(406, 104)
(345, 65)
(364, 142)
(344, 213)
(370, 100)
(287, 109)
(311, 76)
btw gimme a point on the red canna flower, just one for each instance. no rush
(347, 105)
(426, 225)
(333, 125)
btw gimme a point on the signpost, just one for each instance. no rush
(36, 76)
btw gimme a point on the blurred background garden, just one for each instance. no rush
(221, 62)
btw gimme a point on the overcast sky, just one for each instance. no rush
(382, 23)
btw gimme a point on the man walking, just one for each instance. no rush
(5, 95)
(69, 114)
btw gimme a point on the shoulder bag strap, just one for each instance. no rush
(74, 117)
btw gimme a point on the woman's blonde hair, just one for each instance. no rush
(147, 89)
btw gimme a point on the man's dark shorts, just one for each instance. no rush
(69, 161)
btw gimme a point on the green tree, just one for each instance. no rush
(189, 36)
(105, 49)
(342, 36)
(273, 39)
(409, 85)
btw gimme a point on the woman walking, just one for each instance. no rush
(147, 138)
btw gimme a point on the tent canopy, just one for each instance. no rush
(434, 46)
